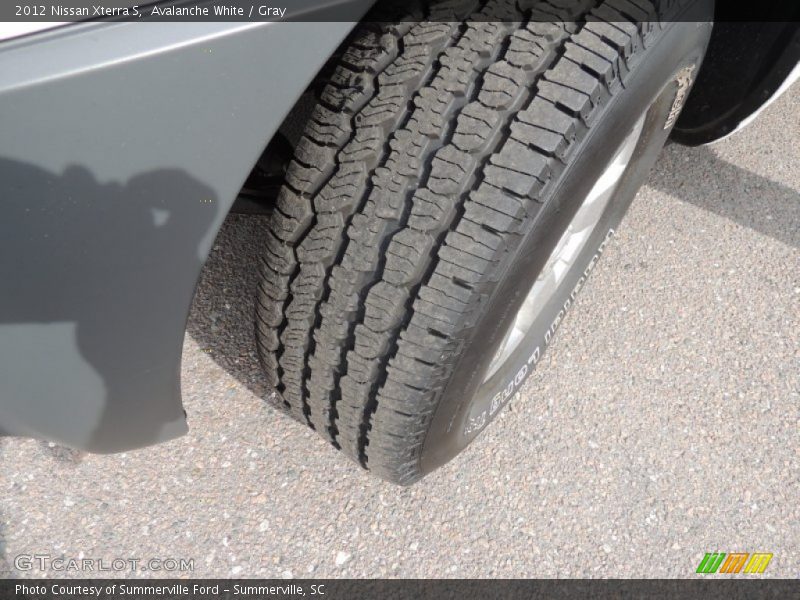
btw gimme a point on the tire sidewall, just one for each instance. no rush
(467, 404)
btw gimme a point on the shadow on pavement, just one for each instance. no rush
(221, 320)
(700, 177)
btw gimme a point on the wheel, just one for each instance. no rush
(456, 183)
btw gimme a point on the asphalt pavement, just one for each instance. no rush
(663, 423)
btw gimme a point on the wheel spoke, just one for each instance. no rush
(568, 248)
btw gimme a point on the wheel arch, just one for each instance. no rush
(745, 66)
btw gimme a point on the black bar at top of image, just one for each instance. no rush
(351, 10)
(398, 589)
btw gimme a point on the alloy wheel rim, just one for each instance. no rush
(568, 249)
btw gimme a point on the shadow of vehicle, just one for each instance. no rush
(221, 320)
(700, 177)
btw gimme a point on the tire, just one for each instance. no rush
(441, 166)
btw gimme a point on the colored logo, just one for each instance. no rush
(734, 562)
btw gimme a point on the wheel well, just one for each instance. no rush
(745, 64)
(260, 190)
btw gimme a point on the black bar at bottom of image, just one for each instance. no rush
(393, 589)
